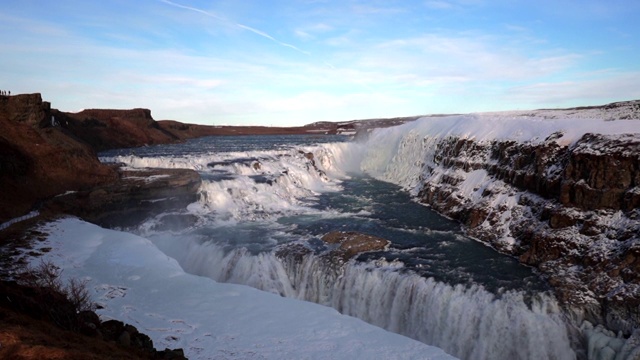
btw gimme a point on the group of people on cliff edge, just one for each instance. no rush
(5, 92)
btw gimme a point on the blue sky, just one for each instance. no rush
(259, 62)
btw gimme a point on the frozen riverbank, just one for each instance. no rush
(134, 282)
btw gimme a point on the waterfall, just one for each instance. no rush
(468, 322)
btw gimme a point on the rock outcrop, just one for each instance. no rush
(351, 243)
(42, 305)
(47, 162)
(37, 160)
(571, 210)
(335, 248)
(106, 129)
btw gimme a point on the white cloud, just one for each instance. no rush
(473, 58)
(621, 86)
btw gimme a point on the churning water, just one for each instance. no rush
(260, 194)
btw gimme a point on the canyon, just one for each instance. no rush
(566, 204)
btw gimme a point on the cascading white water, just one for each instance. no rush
(468, 322)
(287, 178)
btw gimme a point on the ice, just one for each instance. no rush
(138, 284)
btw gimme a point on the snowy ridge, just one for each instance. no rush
(136, 283)
(399, 154)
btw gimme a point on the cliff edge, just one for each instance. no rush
(37, 160)
(558, 189)
(48, 162)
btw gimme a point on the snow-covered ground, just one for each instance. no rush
(136, 283)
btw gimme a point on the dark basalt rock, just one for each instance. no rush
(46, 304)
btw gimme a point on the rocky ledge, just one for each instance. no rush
(41, 315)
(351, 243)
(336, 248)
(137, 195)
(572, 210)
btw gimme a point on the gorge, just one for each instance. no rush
(556, 189)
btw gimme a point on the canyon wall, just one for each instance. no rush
(38, 161)
(48, 162)
(569, 207)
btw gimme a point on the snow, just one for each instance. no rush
(534, 127)
(30, 215)
(136, 283)
(474, 184)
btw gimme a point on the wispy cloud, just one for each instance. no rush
(240, 26)
(474, 57)
(207, 13)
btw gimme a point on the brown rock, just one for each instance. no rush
(39, 161)
(353, 243)
(89, 323)
(170, 354)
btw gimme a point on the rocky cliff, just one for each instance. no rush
(37, 160)
(105, 129)
(48, 161)
(569, 207)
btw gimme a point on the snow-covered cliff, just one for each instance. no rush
(560, 189)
